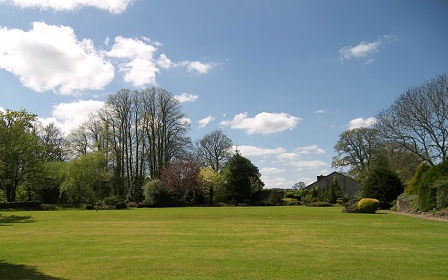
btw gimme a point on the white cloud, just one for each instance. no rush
(197, 66)
(164, 62)
(50, 57)
(276, 181)
(263, 123)
(185, 121)
(249, 151)
(112, 6)
(365, 50)
(271, 170)
(309, 164)
(288, 156)
(186, 97)
(205, 121)
(69, 116)
(139, 66)
(360, 122)
(320, 111)
(312, 149)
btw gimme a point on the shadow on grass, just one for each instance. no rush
(19, 271)
(14, 219)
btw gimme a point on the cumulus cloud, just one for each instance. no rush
(312, 149)
(320, 111)
(263, 123)
(360, 122)
(271, 170)
(309, 164)
(139, 67)
(365, 50)
(186, 97)
(205, 121)
(112, 6)
(249, 151)
(69, 116)
(50, 57)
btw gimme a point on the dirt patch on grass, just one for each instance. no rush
(419, 216)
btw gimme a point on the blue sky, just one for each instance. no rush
(283, 79)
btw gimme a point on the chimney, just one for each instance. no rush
(320, 177)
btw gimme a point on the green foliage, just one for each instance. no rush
(242, 183)
(432, 187)
(20, 151)
(157, 194)
(86, 180)
(368, 205)
(335, 191)
(441, 186)
(382, 184)
(319, 204)
(290, 201)
(210, 182)
(412, 188)
(121, 205)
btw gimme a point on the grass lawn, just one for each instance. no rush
(220, 243)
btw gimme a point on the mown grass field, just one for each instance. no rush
(220, 243)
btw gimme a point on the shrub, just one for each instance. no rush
(319, 204)
(121, 205)
(351, 207)
(157, 194)
(90, 207)
(407, 203)
(132, 204)
(368, 205)
(382, 184)
(290, 201)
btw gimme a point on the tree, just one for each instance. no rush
(20, 152)
(356, 149)
(86, 180)
(335, 191)
(418, 120)
(382, 184)
(299, 186)
(214, 150)
(241, 180)
(181, 179)
(210, 182)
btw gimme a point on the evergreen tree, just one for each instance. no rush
(242, 180)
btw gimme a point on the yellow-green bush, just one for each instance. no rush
(290, 201)
(368, 205)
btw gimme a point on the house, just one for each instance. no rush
(349, 187)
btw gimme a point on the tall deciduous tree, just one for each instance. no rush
(356, 149)
(418, 120)
(20, 151)
(214, 150)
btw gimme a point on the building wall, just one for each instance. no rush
(349, 187)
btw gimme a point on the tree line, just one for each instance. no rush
(136, 146)
(405, 150)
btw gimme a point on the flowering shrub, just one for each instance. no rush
(368, 205)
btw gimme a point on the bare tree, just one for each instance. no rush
(356, 149)
(418, 120)
(214, 150)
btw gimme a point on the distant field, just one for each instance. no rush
(220, 243)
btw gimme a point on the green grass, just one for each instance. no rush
(220, 243)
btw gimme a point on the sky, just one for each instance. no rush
(281, 78)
